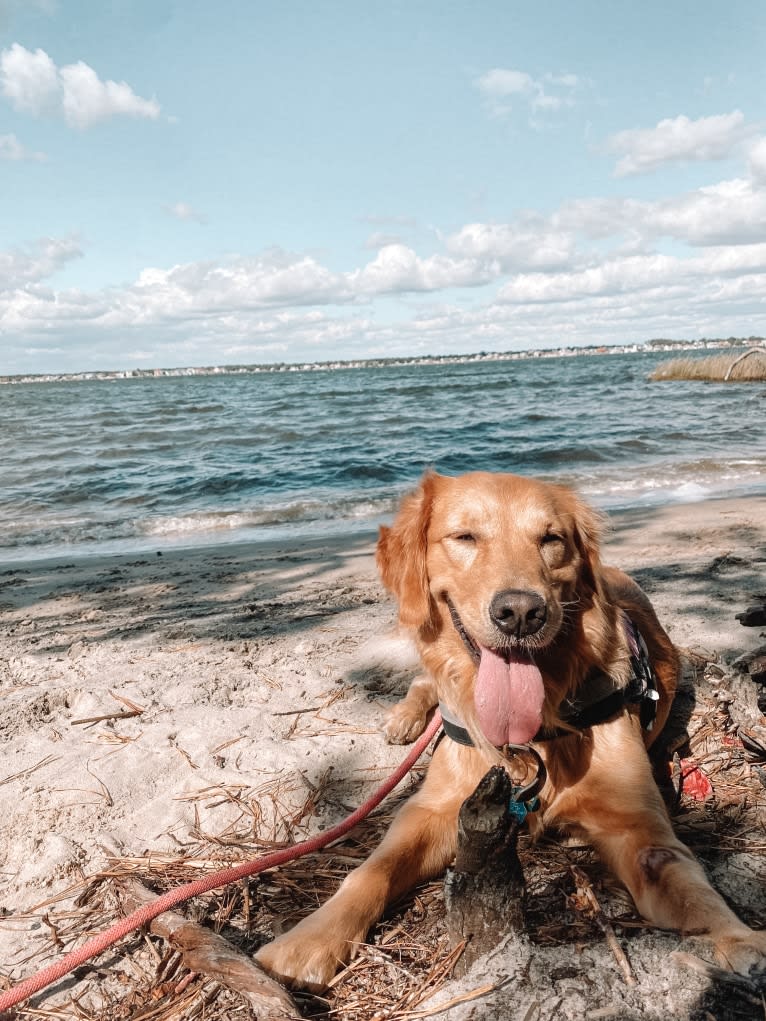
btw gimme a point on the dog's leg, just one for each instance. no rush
(624, 816)
(420, 843)
(406, 720)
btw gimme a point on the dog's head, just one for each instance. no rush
(499, 577)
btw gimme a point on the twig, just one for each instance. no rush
(474, 994)
(122, 714)
(30, 769)
(297, 712)
(604, 924)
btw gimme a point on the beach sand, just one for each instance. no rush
(257, 676)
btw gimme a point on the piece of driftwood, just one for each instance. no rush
(211, 955)
(750, 351)
(484, 891)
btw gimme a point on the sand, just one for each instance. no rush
(211, 701)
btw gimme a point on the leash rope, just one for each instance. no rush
(75, 958)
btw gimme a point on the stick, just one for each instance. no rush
(121, 714)
(484, 892)
(213, 956)
(605, 925)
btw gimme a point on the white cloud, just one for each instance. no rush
(12, 149)
(20, 268)
(275, 278)
(33, 84)
(657, 273)
(501, 87)
(230, 297)
(183, 211)
(678, 140)
(530, 243)
(281, 279)
(730, 212)
(757, 161)
(502, 82)
(612, 277)
(281, 303)
(29, 80)
(398, 269)
(87, 100)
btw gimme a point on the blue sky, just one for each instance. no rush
(183, 183)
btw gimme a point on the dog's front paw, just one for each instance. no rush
(305, 958)
(403, 724)
(744, 952)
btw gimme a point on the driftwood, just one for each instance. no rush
(484, 892)
(746, 354)
(211, 955)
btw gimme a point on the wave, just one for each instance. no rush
(674, 482)
(212, 459)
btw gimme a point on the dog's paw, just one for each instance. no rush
(403, 724)
(744, 952)
(306, 960)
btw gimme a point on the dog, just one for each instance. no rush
(525, 637)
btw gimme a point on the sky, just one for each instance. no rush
(187, 183)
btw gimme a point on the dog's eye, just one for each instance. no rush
(464, 537)
(550, 537)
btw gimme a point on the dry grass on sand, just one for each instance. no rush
(166, 716)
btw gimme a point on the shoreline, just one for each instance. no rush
(258, 674)
(648, 542)
(338, 533)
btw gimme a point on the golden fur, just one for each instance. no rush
(469, 538)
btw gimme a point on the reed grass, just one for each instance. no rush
(745, 367)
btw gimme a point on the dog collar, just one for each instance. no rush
(453, 727)
(600, 701)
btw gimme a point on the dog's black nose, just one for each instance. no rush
(518, 612)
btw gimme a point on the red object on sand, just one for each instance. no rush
(694, 781)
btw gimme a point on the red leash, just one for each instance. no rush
(28, 987)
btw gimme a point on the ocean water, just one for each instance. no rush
(108, 466)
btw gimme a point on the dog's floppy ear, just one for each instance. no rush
(588, 529)
(401, 555)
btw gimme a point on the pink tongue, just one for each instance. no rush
(509, 698)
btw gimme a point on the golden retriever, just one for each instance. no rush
(500, 581)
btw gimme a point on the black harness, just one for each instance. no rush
(601, 699)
